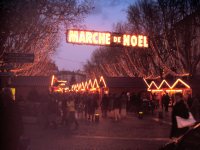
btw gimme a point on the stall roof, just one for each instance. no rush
(31, 81)
(125, 82)
(175, 83)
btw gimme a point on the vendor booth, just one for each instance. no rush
(159, 87)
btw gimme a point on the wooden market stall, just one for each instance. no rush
(111, 85)
(159, 87)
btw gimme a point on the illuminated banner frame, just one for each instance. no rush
(106, 38)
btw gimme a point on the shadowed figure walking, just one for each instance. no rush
(11, 122)
(71, 112)
(179, 109)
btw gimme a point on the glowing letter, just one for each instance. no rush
(88, 37)
(101, 38)
(126, 40)
(82, 37)
(140, 41)
(133, 40)
(94, 38)
(73, 36)
(145, 42)
(119, 39)
(107, 39)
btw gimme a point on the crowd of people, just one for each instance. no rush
(72, 106)
(69, 107)
(62, 109)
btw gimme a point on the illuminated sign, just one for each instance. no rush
(106, 38)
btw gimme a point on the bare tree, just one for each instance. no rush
(173, 30)
(170, 26)
(32, 26)
(183, 36)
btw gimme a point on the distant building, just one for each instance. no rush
(71, 77)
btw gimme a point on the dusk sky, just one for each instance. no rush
(105, 14)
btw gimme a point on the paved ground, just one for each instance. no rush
(131, 133)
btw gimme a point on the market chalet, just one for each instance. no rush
(106, 38)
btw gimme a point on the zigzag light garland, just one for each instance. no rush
(94, 85)
(171, 88)
(91, 85)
